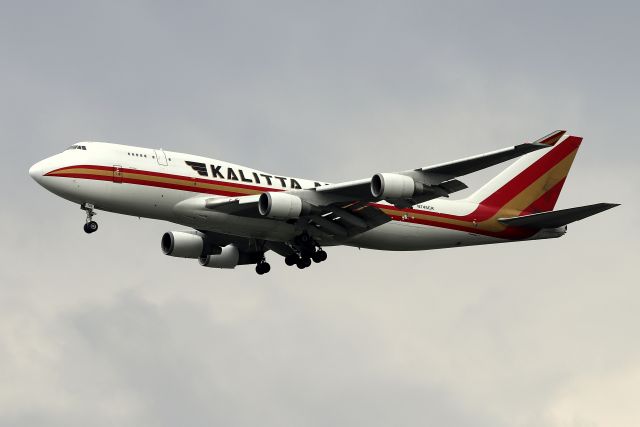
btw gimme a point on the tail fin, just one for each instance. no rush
(533, 183)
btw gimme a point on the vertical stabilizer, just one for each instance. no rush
(533, 183)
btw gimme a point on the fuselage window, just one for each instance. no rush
(136, 155)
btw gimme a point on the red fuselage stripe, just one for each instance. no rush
(485, 210)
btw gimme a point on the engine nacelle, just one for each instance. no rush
(392, 186)
(283, 206)
(229, 257)
(182, 244)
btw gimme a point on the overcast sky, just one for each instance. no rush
(104, 330)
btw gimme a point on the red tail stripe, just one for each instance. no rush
(533, 172)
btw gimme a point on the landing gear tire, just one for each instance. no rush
(319, 256)
(291, 259)
(90, 227)
(263, 268)
(303, 263)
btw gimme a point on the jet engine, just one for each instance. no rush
(283, 206)
(392, 186)
(183, 244)
(229, 257)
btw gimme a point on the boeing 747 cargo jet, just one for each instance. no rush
(237, 214)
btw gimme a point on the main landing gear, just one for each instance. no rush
(263, 267)
(90, 225)
(308, 250)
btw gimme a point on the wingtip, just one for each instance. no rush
(550, 139)
(601, 207)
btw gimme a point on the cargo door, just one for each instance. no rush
(161, 157)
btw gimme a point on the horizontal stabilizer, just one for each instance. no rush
(553, 219)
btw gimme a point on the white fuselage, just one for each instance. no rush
(160, 184)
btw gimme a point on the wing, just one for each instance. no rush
(345, 209)
(432, 181)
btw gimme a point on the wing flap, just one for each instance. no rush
(559, 218)
(342, 220)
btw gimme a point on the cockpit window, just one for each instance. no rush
(77, 147)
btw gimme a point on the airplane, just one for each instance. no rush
(236, 214)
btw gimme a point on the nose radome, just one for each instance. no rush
(36, 171)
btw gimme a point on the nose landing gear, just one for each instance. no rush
(90, 225)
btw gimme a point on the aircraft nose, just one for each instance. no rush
(36, 171)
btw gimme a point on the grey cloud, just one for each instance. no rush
(137, 349)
